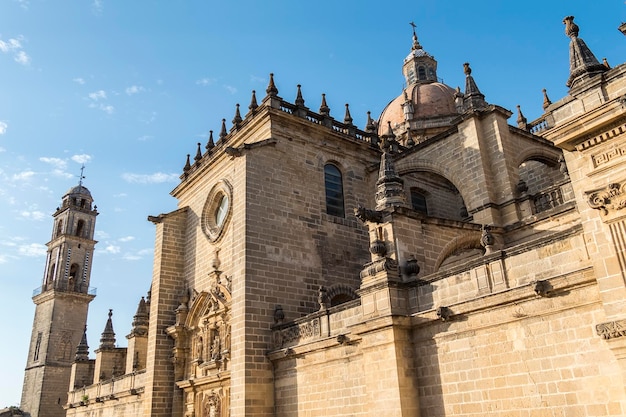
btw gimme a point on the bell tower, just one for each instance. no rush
(61, 304)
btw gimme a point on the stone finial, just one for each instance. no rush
(279, 314)
(546, 99)
(271, 90)
(467, 70)
(187, 166)
(141, 319)
(82, 350)
(237, 119)
(522, 122)
(473, 98)
(210, 144)
(370, 126)
(299, 98)
(412, 268)
(409, 138)
(223, 131)
(389, 186)
(347, 119)
(582, 62)
(322, 298)
(107, 339)
(324, 109)
(198, 156)
(253, 104)
(571, 28)
(487, 239)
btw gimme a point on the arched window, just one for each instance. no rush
(59, 228)
(79, 227)
(71, 282)
(418, 201)
(334, 191)
(421, 73)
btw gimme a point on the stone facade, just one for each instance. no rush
(440, 262)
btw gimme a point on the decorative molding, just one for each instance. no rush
(609, 198)
(380, 265)
(611, 329)
(298, 332)
(610, 133)
(607, 156)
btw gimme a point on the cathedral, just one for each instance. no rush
(438, 262)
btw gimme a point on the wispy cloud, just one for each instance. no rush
(23, 4)
(101, 234)
(3, 127)
(107, 109)
(81, 159)
(144, 138)
(126, 238)
(230, 89)
(112, 249)
(134, 89)
(97, 6)
(57, 163)
(156, 178)
(14, 46)
(206, 81)
(256, 79)
(60, 165)
(79, 80)
(98, 95)
(33, 215)
(23, 176)
(136, 256)
(32, 250)
(22, 57)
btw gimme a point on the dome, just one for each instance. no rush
(429, 101)
(79, 189)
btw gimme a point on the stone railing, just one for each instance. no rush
(336, 126)
(551, 197)
(39, 290)
(111, 389)
(537, 126)
(298, 331)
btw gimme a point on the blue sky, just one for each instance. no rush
(129, 88)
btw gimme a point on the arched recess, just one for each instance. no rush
(467, 244)
(543, 154)
(340, 293)
(540, 171)
(71, 280)
(443, 196)
(408, 165)
(80, 227)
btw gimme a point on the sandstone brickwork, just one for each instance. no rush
(302, 275)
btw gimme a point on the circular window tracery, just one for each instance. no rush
(217, 210)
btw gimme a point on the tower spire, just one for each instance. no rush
(473, 98)
(389, 186)
(107, 339)
(419, 66)
(582, 62)
(82, 351)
